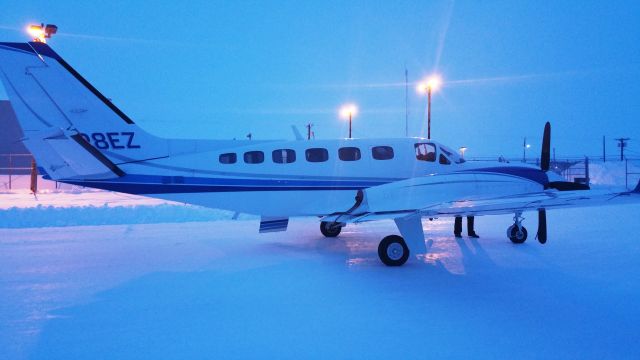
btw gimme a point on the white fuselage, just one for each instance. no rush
(263, 179)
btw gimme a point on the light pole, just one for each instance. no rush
(525, 146)
(348, 111)
(429, 85)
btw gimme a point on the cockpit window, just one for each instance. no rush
(452, 155)
(443, 160)
(426, 152)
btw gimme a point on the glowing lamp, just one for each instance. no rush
(432, 83)
(40, 33)
(349, 110)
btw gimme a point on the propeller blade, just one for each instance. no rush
(545, 156)
(542, 226)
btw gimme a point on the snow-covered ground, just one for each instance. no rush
(95, 274)
(220, 290)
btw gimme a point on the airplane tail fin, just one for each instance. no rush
(70, 127)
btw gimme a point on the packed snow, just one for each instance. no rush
(220, 290)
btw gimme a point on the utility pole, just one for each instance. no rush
(429, 113)
(309, 125)
(406, 102)
(604, 151)
(524, 150)
(622, 143)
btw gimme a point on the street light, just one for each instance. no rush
(432, 83)
(348, 111)
(525, 146)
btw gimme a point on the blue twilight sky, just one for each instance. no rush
(223, 69)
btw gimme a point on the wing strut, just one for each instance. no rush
(411, 229)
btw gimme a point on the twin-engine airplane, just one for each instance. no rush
(80, 137)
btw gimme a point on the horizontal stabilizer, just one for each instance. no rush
(273, 224)
(68, 156)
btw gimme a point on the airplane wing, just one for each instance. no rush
(469, 195)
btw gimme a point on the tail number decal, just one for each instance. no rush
(111, 140)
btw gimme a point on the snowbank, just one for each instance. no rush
(612, 173)
(23, 210)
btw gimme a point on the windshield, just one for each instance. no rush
(452, 155)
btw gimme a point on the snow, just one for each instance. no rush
(220, 290)
(19, 209)
(612, 173)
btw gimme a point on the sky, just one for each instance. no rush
(209, 69)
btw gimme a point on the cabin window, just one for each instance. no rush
(382, 152)
(443, 160)
(228, 158)
(283, 156)
(254, 157)
(317, 155)
(349, 153)
(426, 152)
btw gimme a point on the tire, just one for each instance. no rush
(393, 251)
(515, 237)
(330, 229)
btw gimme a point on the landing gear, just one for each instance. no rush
(330, 229)
(393, 251)
(516, 232)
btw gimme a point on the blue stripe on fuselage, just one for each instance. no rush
(154, 184)
(528, 173)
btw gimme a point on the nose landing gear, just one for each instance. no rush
(516, 232)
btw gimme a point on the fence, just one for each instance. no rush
(628, 171)
(14, 166)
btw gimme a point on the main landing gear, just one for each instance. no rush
(330, 229)
(393, 251)
(516, 232)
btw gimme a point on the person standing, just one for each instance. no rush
(457, 227)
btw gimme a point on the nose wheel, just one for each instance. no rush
(516, 232)
(393, 251)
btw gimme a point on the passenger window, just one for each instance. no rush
(283, 156)
(254, 157)
(228, 158)
(317, 155)
(382, 152)
(349, 153)
(443, 160)
(426, 152)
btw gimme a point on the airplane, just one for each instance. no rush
(78, 136)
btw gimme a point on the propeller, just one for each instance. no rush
(545, 156)
(542, 226)
(545, 161)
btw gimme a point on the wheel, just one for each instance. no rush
(517, 237)
(393, 251)
(330, 229)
